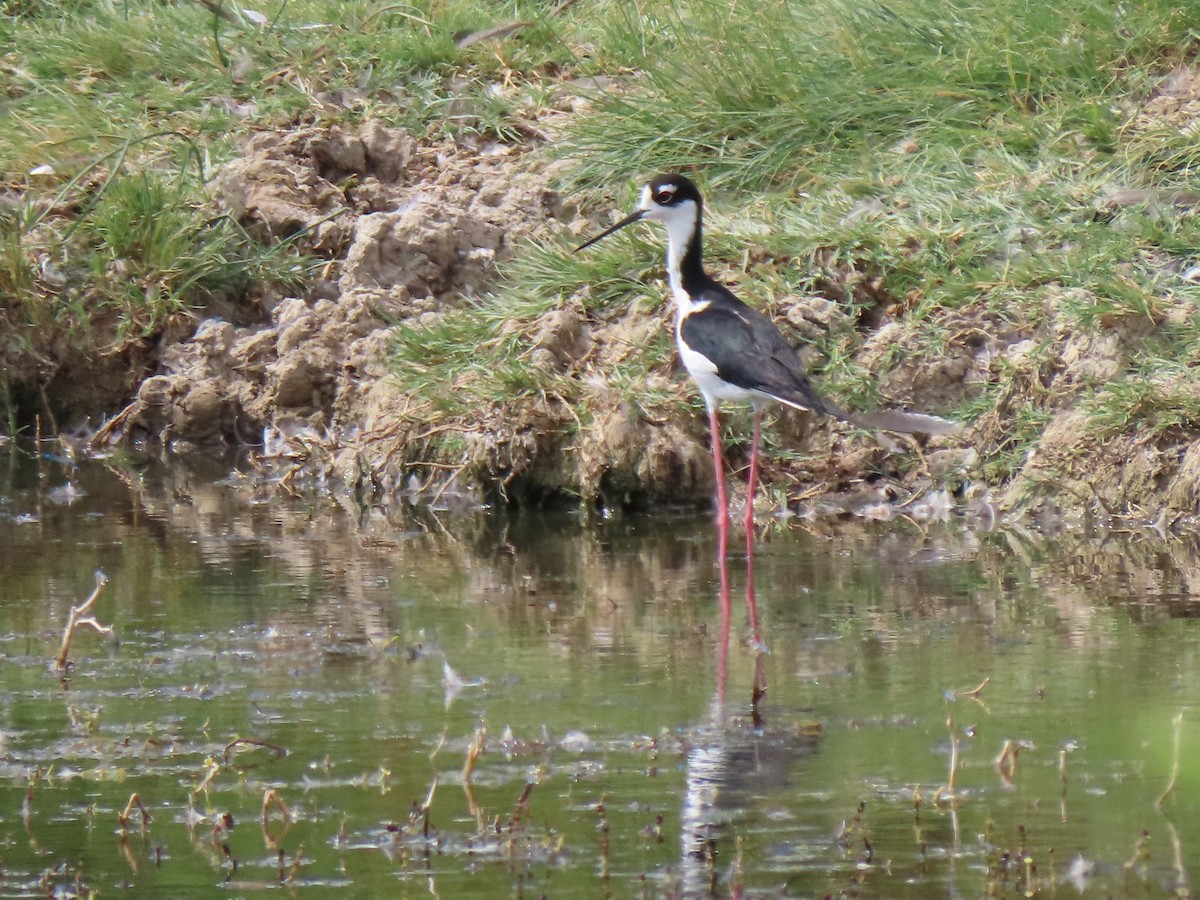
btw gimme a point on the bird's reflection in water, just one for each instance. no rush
(735, 761)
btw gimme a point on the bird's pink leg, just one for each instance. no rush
(751, 593)
(718, 468)
(752, 486)
(751, 596)
(726, 606)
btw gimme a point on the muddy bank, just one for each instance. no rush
(404, 232)
(407, 233)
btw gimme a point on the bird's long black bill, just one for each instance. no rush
(628, 220)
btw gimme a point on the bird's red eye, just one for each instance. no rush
(663, 197)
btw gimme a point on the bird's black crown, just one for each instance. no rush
(673, 189)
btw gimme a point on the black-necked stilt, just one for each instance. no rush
(734, 352)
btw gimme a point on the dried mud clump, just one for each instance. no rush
(406, 230)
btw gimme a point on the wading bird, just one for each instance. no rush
(731, 351)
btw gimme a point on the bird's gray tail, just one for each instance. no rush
(894, 420)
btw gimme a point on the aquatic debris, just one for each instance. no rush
(846, 829)
(935, 506)
(251, 742)
(951, 696)
(1141, 853)
(521, 810)
(1177, 724)
(222, 828)
(605, 846)
(79, 616)
(453, 683)
(478, 744)
(214, 769)
(65, 494)
(575, 742)
(973, 694)
(918, 831)
(191, 818)
(295, 867)
(1062, 776)
(135, 802)
(271, 798)
(424, 808)
(27, 803)
(1006, 762)
(1080, 872)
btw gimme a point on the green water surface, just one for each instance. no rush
(347, 659)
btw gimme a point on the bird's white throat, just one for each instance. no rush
(681, 222)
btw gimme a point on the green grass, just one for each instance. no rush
(783, 93)
(1158, 402)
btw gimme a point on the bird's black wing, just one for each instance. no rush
(747, 349)
(751, 353)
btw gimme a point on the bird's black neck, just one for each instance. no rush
(691, 267)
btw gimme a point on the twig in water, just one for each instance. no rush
(1006, 762)
(1177, 723)
(1062, 776)
(271, 798)
(1141, 852)
(1183, 882)
(135, 802)
(522, 807)
(605, 848)
(952, 780)
(918, 831)
(291, 878)
(474, 752)
(79, 616)
(214, 769)
(427, 806)
(975, 691)
(436, 750)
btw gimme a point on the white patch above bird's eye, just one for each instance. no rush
(664, 193)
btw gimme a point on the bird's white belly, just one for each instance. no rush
(704, 373)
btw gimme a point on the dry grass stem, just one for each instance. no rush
(295, 867)
(135, 802)
(427, 806)
(79, 617)
(214, 769)
(1177, 724)
(975, 692)
(476, 749)
(522, 807)
(1141, 852)
(1183, 881)
(1062, 777)
(952, 779)
(271, 798)
(1006, 762)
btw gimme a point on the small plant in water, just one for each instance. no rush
(79, 617)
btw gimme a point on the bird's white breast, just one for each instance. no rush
(704, 372)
